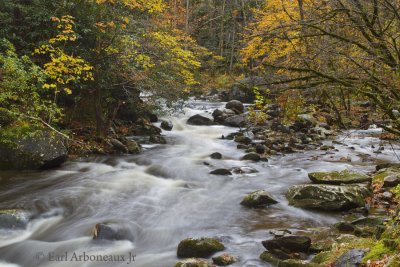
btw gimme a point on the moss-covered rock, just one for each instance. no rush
(224, 260)
(268, 257)
(327, 197)
(199, 247)
(251, 156)
(13, 219)
(258, 199)
(288, 244)
(338, 177)
(193, 263)
(39, 151)
(389, 176)
(350, 258)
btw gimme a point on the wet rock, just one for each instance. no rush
(199, 120)
(112, 231)
(13, 219)
(221, 172)
(237, 120)
(351, 258)
(199, 247)
(244, 169)
(236, 106)
(327, 147)
(258, 199)
(242, 146)
(280, 233)
(224, 260)
(327, 197)
(216, 155)
(368, 221)
(132, 146)
(345, 227)
(387, 165)
(391, 180)
(288, 244)
(251, 156)
(276, 261)
(144, 129)
(167, 125)
(193, 262)
(44, 150)
(242, 139)
(260, 149)
(338, 177)
(387, 195)
(157, 139)
(118, 145)
(304, 121)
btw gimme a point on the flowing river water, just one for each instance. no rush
(166, 194)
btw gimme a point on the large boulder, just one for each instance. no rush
(236, 121)
(199, 247)
(288, 244)
(258, 199)
(43, 150)
(338, 177)
(327, 197)
(14, 219)
(112, 231)
(193, 262)
(199, 120)
(251, 156)
(236, 106)
(243, 90)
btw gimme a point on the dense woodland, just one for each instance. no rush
(65, 62)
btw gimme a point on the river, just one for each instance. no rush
(166, 194)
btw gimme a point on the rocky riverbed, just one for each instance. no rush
(240, 196)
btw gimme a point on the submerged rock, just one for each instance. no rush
(338, 177)
(216, 155)
(112, 231)
(193, 262)
(199, 247)
(199, 120)
(13, 219)
(42, 151)
(327, 197)
(221, 172)
(251, 156)
(244, 169)
(167, 125)
(258, 199)
(157, 139)
(224, 260)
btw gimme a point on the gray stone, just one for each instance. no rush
(236, 106)
(288, 244)
(251, 156)
(258, 199)
(327, 197)
(351, 258)
(199, 120)
(44, 150)
(112, 231)
(221, 172)
(199, 247)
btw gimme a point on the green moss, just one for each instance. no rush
(377, 251)
(321, 257)
(381, 174)
(338, 177)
